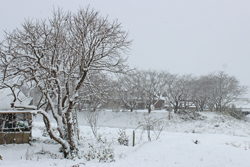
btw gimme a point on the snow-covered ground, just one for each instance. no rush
(217, 140)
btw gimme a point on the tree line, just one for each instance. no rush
(145, 88)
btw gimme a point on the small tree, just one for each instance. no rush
(92, 119)
(149, 124)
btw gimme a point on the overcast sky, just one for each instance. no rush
(181, 36)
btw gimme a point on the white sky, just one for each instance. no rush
(181, 36)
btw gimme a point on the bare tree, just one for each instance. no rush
(187, 86)
(57, 55)
(152, 84)
(174, 90)
(225, 90)
(202, 88)
(128, 91)
(216, 91)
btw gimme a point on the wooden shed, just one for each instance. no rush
(15, 126)
(15, 118)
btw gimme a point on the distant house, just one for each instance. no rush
(15, 118)
(160, 104)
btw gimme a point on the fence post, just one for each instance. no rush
(133, 138)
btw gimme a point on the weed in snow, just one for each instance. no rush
(49, 154)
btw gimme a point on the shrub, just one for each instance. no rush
(152, 124)
(190, 115)
(45, 133)
(102, 151)
(236, 113)
(123, 139)
(92, 119)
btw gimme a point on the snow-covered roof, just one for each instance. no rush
(6, 98)
(18, 111)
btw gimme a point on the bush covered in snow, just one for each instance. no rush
(123, 138)
(100, 151)
(190, 115)
(236, 113)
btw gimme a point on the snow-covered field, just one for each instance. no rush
(217, 140)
